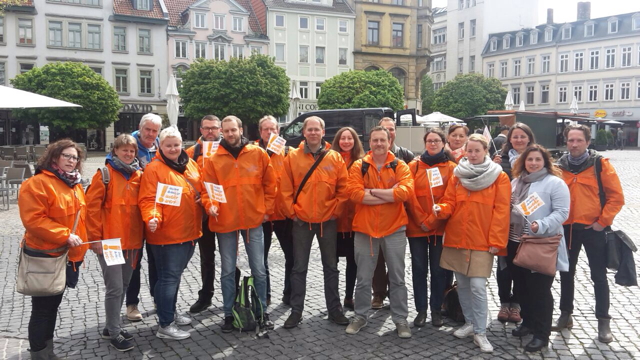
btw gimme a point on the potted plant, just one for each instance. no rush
(601, 140)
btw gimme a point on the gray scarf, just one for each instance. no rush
(477, 177)
(520, 193)
(124, 167)
(578, 160)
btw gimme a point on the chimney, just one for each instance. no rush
(549, 16)
(584, 10)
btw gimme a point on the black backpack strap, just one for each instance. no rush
(365, 168)
(308, 175)
(601, 194)
(197, 151)
(394, 164)
(106, 179)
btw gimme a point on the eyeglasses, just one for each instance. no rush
(70, 157)
(433, 142)
(210, 128)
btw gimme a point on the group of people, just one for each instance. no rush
(454, 203)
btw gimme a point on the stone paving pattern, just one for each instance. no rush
(82, 312)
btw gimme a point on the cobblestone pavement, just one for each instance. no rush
(82, 312)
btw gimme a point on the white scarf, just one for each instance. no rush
(477, 177)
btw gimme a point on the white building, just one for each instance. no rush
(595, 61)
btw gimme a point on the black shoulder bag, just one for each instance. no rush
(308, 175)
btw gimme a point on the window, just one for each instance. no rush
(373, 32)
(319, 54)
(400, 75)
(303, 89)
(144, 41)
(636, 23)
(55, 33)
(594, 59)
(544, 94)
(461, 30)
(546, 64)
(564, 63)
(530, 95)
(577, 93)
(397, 38)
(519, 40)
(638, 90)
(503, 69)
(608, 92)
(472, 28)
(279, 52)
(218, 21)
(562, 94)
(279, 20)
(219, 51)
(506, 42)
(613, 27)
(200, 20)
(460, 4)
(75, 35)
(318, 88)
(419, 36)
(145, 82)
(494, 44)
(593, 93)
(237, 51)
(516, 95)
(625, 91)
(238, 24)
(256, 50)
(143, 4)
(610, 59)
(120, 39)
(531, 65)
(94, 35)
(516, 67)
(548, 35)
(472, 63)
(439, 36)
(304, 54)
(181, 49)
(320, 24)
(201, 50)
(304, 22)
(397, 2)
(122, 77)
(25, 31)
(588, 30)
(3, 74)
(460, 65)
(578, 61)
(342, 56)
(2, 35)
(533, 38)
(438, 64)
(566, 33)
(490, 70)
(24, 67)
(343, 26)
(626, 56)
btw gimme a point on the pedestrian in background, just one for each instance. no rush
(52, 206)
(113, 212)
(457, 137)
(499, 140)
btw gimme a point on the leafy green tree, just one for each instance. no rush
(75, 83)
(469, 95)
(247, 88)
(427, 94)
(361, 89)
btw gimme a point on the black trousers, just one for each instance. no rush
(282, 229)
(595, 245)
(207, 246)
(346, 249)
(511, 274)
(536, 301)
(133, 291)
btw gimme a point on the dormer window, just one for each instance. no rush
(589, 29)
(613, 26)
(636, 22)
(143, 4)
(494, 44)
(548, 35)
(519, 39)
(506, 42)
(566, 33)
(533, 37)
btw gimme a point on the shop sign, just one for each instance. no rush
(600, 113)
(621, 113)
(137, 108)
(308, 106)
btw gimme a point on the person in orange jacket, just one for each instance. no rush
(348, 144)
(278, 223)
(477, 203)
(379, 184)
(169, 201)
(249, 184)
(589, 214)
(113, 212)
(314, 207)
(53, 212)
(424, 230)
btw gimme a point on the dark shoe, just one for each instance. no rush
(125, 334)
(514, 315)
(536, 345)
(266, 324)
(121, 344)
(604, 331)
(521, 331)
(40, 355)
(503, 314)
(338, 318)
(269, 301)
(421, 319)
(565, 321)
(199, 306)
(348, 304)
(286, 299)
(49, 349)
(436, 319)
(227, 327)
(293, 320)
(377, 302)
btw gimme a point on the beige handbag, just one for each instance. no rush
(42, 276)
(538, 254)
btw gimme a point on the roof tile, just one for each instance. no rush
(175, 8)
(125, 7)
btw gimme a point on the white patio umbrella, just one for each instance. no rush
(521, 108)
(11, 98)
(437, 117)
(508, 102)
(574, 106)
(173, 102)
(294, 97)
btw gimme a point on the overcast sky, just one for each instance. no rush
(566, 10)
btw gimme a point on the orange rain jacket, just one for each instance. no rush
(191, 151)
(420, 205)
(117, 215)
(176, 224)
(48, 208)
(585, 203)
(324, 193)
(249, 184)
(477, 219)
(277, 162)
(380, 220)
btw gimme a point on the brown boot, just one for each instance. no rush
(377, 302)
(604, 331)
(565, 321)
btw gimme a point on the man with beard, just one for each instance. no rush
(249, 185)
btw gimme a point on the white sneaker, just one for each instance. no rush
(464, 331)
(181, 320)
(404, 332)
(172, 332)
(483, 343)
(356, 324)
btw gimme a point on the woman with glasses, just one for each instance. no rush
(53, 212)
(424, 230)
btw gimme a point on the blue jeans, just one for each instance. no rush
(228, 248)
(171, 260)
(425, 256)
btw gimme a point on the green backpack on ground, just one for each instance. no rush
(247, 309)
